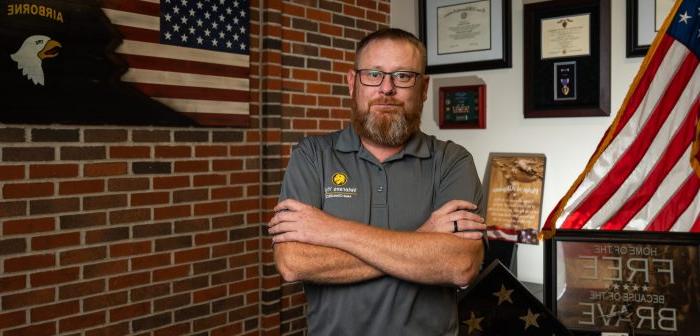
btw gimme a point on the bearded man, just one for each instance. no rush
(379, 220)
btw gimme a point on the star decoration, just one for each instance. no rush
(626, 286)
(616, 286)
(503, 294)
(685, 17)
(473, 322)
(635, 287)
(645, 288)
(530, 319)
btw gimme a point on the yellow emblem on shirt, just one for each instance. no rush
(340, 179)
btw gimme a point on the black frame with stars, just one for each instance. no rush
(614, 238)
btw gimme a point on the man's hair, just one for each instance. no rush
(394, 34)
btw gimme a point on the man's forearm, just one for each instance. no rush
(320, 264)
(424, 257)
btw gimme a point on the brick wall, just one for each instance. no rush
(160, 231)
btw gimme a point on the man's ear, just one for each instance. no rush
(351, 81)
(426, 81)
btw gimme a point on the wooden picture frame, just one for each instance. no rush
(514, 189)
(644, 18)
(484, 44)
(567, 68)
(462, 106)
(632, 282)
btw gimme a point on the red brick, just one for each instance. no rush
(31, 225)
(129, 280)
(245, 150)
(331, 53)
(150, 198)
(53, 170)
(12, 319)
(302, 74)
(48, 242)
(202, 253)
(210, 322)
(106, 235)
(169, 273)
(211, 208)
(177, 211)
(8, 173)
(149, 292)
(32, 298)
(243, 205)
(209, 151)
(232, 329)
(191, 166)
(81, 289)
(377, 17)
(83, 255)
(128, 184)
(226, 192)
(229, 164)
(54, 311)
(241, 178)
(330, 125)
(171, 182)
(130, 249)
(173, 330)
(81, 322)
(210, 238)
(150, 261)
(105, 268)
(27, 263)
(27, 190)
(12, 283)
(105, 169)
(44, 329)
(318, 15)
(209, 180)
(129, 216)
(354, 11)
(304, 124)
(129, 152)
(303, 99)
(130, 311)
(54, 277)
(81, 187)
(173, 152)
(106, 300)
(110, 330)
(209, 294)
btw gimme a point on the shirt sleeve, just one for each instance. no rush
(459, 179)
(302, 177)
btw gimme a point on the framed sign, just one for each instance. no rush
(644, 19)
(630, 282)
(514, 184)
(466, 35)
(567, 58)
(462, 106)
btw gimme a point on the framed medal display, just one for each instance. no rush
(567, 58)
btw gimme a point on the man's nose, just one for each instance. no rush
(387, 87)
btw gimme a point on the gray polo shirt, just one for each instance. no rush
(336, 174)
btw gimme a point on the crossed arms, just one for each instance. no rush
(311, 245)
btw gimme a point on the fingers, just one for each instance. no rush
(473, 235)
(288, 204)
(455, 205)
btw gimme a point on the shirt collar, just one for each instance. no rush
(417, 145)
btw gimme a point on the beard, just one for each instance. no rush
(388, 127)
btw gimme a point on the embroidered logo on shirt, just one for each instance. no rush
(339, 190)
(340, 179)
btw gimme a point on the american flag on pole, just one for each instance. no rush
(191, 55)
(644, 174)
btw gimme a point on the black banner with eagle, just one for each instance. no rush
(57, 65)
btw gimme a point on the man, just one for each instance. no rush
(397, 275)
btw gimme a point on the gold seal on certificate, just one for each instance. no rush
(464, 27)
(566, 36)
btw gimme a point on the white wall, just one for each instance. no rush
(567, 142)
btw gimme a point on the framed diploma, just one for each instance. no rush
(466, 35)
(462, 106)
(644, 20)
(567, 58)
(629, 282)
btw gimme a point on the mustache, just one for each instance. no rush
(385, 101)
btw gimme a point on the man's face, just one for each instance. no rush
(387, 115)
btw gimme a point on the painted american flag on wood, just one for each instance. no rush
(644, 174)
(191, 55)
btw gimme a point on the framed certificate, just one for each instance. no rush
(466, 35)
(644, 19)
(567, 58)
(630, 282)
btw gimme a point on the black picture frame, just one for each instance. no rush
(639, 13)
(499, 56)
(472, 98)
(562, 296)
(592, 70)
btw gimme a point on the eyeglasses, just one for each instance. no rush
(400, 79)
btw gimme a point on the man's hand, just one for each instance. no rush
(456, 214)
(299, 222)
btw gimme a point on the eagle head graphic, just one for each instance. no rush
(29, 56)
